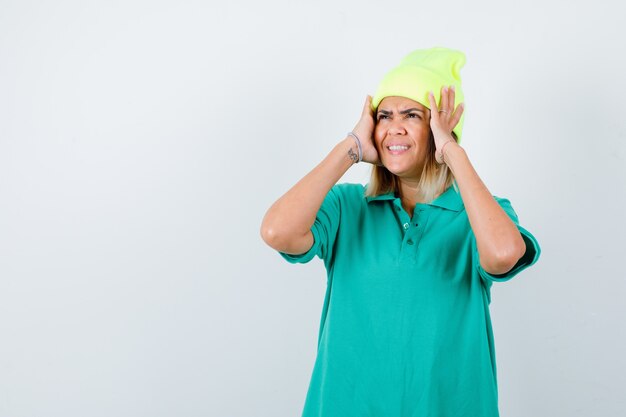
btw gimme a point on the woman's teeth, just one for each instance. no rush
(397, 148)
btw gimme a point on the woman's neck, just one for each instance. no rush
(410, 194)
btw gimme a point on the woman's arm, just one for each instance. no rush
(500, 244)
(287, 224)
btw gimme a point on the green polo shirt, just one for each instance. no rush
(405, 328)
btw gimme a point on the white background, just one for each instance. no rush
(141, 143)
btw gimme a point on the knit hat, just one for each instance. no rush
(422, 71)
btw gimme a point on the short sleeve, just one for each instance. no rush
(533, 250)
(324, 230)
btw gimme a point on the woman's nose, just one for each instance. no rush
(397, 126)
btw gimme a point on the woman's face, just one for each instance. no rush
(401, 135)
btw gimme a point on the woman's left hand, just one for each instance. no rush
(444, 117)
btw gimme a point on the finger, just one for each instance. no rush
(434, 114)
(457, 115)
(367, 107)
(451, 98)
(443, 102)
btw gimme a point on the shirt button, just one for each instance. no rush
(397, 208)
(406, 226)
(410, 242)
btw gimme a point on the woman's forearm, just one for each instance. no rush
(287, 224)
(500, 244)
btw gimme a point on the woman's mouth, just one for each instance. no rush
(397, 149)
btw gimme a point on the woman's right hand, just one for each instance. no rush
(364, 130)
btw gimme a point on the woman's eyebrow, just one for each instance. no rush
(403, 111)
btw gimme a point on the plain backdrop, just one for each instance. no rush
(141, 143)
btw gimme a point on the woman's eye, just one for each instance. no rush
(381, 116)
(414, 115)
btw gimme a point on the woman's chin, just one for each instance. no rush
(400, 169)
(396, 168)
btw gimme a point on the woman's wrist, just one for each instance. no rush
(357, 140)
(451, 151)
(349, 150)
(445, 149)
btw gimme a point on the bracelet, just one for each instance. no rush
(358, 144)
(442, 148)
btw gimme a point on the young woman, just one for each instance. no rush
(410, 257)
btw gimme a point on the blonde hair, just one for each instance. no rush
(434, 180)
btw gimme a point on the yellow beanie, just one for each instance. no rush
(422, 71)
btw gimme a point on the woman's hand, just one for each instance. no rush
(364, 130)
(442, 118)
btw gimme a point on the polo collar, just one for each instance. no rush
(449, 199)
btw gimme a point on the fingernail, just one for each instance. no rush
(453, 88)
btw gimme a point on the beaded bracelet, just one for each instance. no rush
(358, 144)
